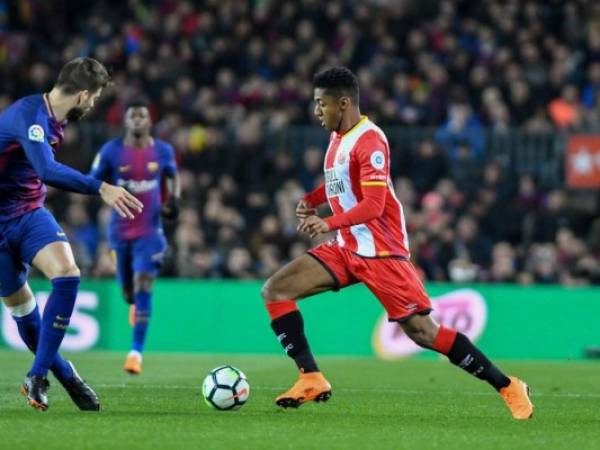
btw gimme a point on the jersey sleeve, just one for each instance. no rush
(372, 155)
(169, 163)
(102, 165)
(316, 197)
(32, 135)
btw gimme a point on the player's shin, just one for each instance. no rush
(142, 319)
(28, 320)
(288, 325)
(55, 322)
(462, 353)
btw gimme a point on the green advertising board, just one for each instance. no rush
(224, 316)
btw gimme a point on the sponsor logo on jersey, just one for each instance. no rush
(36, 133)
(138, 187)
(333, 185)
(152, 166)
(378, 159)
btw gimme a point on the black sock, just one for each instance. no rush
(289, 329)
(468, 357)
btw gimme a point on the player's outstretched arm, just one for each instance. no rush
(55, 174)
(120, 200)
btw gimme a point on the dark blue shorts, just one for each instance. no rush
(142, 255)
(21, 239)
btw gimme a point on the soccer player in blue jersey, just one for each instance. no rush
(139, 162)
(31, 130)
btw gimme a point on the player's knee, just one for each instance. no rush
(143, 283)
(422, 338)
(271, 292)
(421, 334)
(66, 270)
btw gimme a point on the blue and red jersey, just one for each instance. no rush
(139, 170)
(29, 136)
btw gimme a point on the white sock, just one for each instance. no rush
(135, 353)
(24, 309)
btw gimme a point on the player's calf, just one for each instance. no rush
(462, 353)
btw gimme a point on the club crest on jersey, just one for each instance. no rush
(333, 185)
(378, 160)
(152, 166)
(35, 133)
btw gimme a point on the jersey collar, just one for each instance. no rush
(48, 106)
(362, 120)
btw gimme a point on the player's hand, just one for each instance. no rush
(313, 226)
(170, 210)
(120, 200)
(304, 210)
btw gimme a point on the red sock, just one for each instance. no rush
(281, 308)
(444, 339)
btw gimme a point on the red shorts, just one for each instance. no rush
(393, 280)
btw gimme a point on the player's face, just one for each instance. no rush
(137, 120)
(85, 102)
(328, 109)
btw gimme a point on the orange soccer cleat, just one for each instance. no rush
(132, 315)
(310, 386)
(516, 396)
(133, 363)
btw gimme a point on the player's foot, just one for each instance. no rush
(310, 386)
(80, 392)
(132, 315)
(516, 396)
(133, 363)
(35, 388)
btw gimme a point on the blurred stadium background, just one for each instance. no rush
(490, 108)
(478, 99)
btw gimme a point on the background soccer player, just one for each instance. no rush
(139, 162)
(371, 247)
(31, 130)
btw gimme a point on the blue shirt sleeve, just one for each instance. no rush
(101, 167)
(168, 155)
(32, 135)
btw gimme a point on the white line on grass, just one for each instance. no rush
(352, 390)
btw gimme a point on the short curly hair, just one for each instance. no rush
(339, 82)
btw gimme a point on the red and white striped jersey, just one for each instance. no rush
(356, 159)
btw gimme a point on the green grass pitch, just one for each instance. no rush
(413, 404)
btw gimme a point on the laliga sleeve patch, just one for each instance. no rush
(36, 133)
(378, 159)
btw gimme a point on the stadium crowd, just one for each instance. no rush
(224, 77)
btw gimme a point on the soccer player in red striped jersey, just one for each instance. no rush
(370, 247)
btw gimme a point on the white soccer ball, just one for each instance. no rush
(225, 388)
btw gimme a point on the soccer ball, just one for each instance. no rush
(225, 388)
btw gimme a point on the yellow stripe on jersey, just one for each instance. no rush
(355, 127)
(373, 183)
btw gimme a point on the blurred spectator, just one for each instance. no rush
(229, 84)
(427, 165)
(461, 129)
